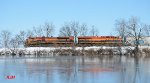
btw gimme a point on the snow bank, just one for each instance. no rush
(32, 50)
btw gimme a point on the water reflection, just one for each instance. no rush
(67, 69)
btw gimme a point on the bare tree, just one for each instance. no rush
(83, 30)
(73, 29)
(5, 38)
(69, 29)
(65, 30)
(93, 31)
(29, 33)
(146, 29)
(38, 31)
(131, 28)
(134, 30)
(21, 37)
(121, 28)
(14, 43)
(48, 29)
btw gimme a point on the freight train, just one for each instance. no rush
(72, 41)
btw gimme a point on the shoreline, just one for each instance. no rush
(75, 51)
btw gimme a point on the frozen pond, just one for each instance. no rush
(67, 69)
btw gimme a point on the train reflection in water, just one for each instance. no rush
(75, 69)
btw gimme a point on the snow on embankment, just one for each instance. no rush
(123, 49)
(33, 50)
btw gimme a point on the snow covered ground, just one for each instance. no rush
(32, 50)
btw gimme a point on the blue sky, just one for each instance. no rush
(16, 15)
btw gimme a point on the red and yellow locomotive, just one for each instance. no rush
(49, 41)
(99, 40)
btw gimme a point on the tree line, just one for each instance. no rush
(7, 40)
(131, 27)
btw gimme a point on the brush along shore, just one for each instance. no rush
(144, 51)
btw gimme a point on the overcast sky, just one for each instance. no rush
(16, 15)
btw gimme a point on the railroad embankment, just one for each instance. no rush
(144, 51)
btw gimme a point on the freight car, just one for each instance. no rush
(99, 40)
(49, 41)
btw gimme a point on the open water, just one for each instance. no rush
(76, 69)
